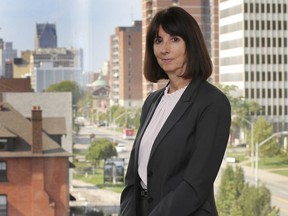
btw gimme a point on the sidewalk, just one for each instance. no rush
(90, 194)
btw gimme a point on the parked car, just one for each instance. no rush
(101, 124)
(120, 147)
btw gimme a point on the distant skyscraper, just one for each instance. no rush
(45, 36)
(126, 66)
(253, 54)
(7, 54)
(206, 14)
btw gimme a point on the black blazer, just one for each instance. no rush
(185, 157)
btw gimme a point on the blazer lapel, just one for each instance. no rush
(184, 102)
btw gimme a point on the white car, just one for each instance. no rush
(120, 147)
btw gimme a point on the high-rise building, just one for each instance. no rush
(206, 14)
(7, 54)
(45, 36)
(126, 66)
(253, 54)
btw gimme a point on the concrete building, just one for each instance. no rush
(7, 54)
(45, 36)
(206, 14)
(23, 65)
(34, 169)
(253, 54)
(51, 66)
(126, 66)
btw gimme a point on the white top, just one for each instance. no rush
(163, 110)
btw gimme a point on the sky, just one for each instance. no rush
(85, 24)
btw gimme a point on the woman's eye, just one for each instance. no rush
(175, 39)
(157, 40)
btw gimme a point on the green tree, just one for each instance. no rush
(99, 150)
(237, 198)
(262, 130)
(67, 86)
(241, 109)
(232, 183)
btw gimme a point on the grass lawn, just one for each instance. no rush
(274, 162)
(278, 164)
(94, 176)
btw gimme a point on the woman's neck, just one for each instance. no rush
(174, 85)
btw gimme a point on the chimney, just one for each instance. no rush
(36, 120)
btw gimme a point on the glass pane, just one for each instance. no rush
(2, 165)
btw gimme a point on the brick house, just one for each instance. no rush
(34, 168)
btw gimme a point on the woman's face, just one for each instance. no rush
(170, 52)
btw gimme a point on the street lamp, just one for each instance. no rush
(114, 124)
(252, 138)
(257, 151)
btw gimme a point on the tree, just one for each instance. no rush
(241, 109)
(67, 86)
(99, 150)
(237, 198)
(262, 130)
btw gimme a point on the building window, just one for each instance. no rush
(279, 8)
(263, 76)
(263, 110)
(257, 93)
(3, 144)
(251, 8)
(3, 205)
(263, 93)
(269, 110)
(263, 42)
(3, 171)
(252, 93)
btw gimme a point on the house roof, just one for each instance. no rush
(54, 126)
(13, 122)
(5, 133)
(15, 85)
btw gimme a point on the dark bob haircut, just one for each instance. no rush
(177, 22)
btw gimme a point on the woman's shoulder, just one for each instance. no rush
(212, 93)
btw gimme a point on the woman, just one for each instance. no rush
(184, 127)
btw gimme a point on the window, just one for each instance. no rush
(3, 171)
(3, 144)
(3, 205)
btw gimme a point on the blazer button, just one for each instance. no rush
(150, 199)
(150, 173)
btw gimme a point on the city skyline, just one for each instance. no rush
(83, 24)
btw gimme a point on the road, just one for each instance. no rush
(277, 184)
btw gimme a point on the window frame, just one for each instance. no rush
(3, 171)
(4, 212)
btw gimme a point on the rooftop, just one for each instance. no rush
(14, 125)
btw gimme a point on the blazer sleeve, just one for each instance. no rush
(212, 132)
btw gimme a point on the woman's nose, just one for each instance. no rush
(165, 48)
